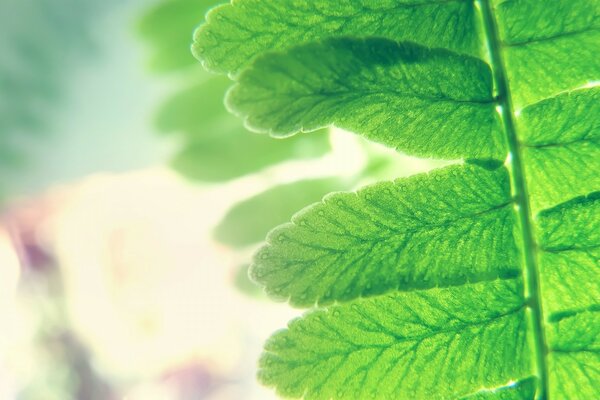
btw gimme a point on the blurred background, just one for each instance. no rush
(131, 203)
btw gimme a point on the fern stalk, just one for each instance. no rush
(519, 187)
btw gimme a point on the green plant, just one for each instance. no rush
(215, 147)
(210, 137)
(477, 281)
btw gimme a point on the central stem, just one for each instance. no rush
(519, 187)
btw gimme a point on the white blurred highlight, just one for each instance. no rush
(9, 278)
(147, 288)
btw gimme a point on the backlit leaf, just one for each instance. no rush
(421, 101)
(238, 32)
(445, 228)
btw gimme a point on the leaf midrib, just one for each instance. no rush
(519, 185)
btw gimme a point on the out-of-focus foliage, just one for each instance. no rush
(168, 27)
(249, 222)
(215, 146)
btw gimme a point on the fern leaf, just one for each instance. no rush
(237, 32)
(422, 101)
(212, 137)
(417, 282)
(569, 240)
(447, 228)
(561, 145)
(385, 347)
(574, 356)
(549, 47)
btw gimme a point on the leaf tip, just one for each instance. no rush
(204, 39)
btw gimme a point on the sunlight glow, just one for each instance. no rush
(146, 286)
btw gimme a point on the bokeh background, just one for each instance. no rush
(131, 203)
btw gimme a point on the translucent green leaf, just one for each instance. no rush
(549, 46)
(169, 27)
(574, 357)
(421, 101)
(570, 259)
(522, 390)
(385, 254)
(238, 32)
(444, 228)
(569, 242)
(249, 222)
(561, 144)
(426, 344)
(216, 146)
